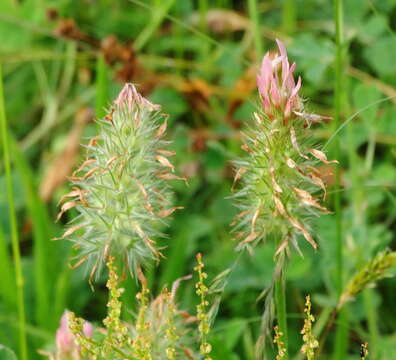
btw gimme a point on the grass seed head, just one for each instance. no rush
(376, 269)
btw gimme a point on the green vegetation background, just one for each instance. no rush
(199, 63)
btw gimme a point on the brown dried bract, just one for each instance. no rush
(165, 162)
(320, 155)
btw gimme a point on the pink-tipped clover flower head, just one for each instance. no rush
(278, 178)
(276, 84)
(120, 191)
(66, 344)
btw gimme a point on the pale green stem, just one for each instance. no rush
(341, 341)
(254, 18)
(289, 16)
(372, 320)
(101, 87)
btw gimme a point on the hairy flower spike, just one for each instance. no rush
(278, 175)
(120, 190)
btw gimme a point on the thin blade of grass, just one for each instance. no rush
(341, 341)
(254, 16)
(14, 230)
(102, 87)
(289, 16)
(153, 25)
(45, 261)
(7, 288)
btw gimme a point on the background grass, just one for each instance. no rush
(200, 64)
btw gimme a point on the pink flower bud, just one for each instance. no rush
(65, 340)
(129, 96)
(276, 85)
(64, 337)
(87, 329)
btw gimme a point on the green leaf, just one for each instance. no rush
(172, 102)
(364, 95)
(6, 353)
(313, 56)
(387, 123)
(372, 29)
(381, 55)
(233, 331)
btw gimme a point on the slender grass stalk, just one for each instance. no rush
(203, 9)
(341, 339)
(178, 33)
(7, 288)
(44, 252)
(280, 304)
(156, 19)
(254, 16)
(372, 320)
(370, 308)
(180, 23)
(341, 335)
(338, 15)
(101, 86)
(289, 16)
(14, 231)
(248, 344)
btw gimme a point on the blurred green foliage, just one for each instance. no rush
(199, 65)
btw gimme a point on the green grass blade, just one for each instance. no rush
(289, 16)
(341, 342)
(337, 121)
(45, 261)
(254, 16)
(181, 24)
(14, 230)
(7, 288)
(153, 24)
